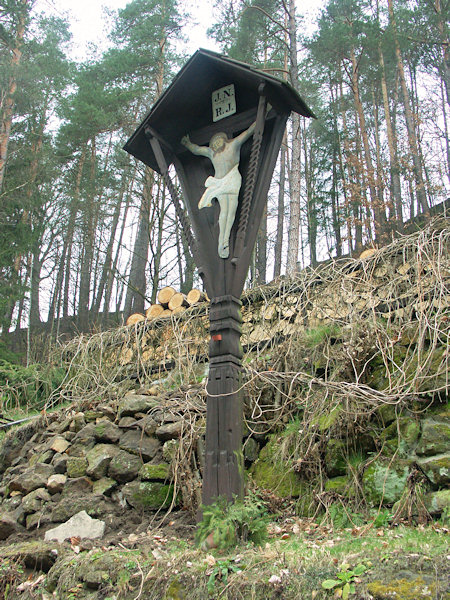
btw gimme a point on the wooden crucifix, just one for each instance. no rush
(220, 123)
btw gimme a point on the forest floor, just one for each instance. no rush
(160, 560)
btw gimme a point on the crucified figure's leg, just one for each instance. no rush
(228, 206)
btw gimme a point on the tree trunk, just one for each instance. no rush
(34, 317)
(447, 141)
(294, 173)
(9, 102)
(135, 297)
(106, 270)
(280, 211)
(113, 271)
(89, 227)
(445, 65)
(71, 230)
(311, 208)
(412, 138)
(395, 188)
(378, 210)
(261, 250)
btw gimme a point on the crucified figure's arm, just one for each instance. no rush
(194, 148)
(243, 137)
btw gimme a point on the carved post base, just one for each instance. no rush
(223, 474)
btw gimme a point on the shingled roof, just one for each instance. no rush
(184, 104)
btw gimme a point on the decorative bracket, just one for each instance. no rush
(155, 142)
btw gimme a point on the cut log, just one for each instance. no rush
(367, 253)
(178, 309)
(177, 300)
(195, 296)
(166, 313)
(270, 312)
(154, 311)
(165, 294)
(135, 318)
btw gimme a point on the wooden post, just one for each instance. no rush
(223, 474)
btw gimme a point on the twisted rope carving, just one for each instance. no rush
(251, 178)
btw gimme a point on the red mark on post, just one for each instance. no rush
(217, 337)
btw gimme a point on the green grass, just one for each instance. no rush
(293, 568)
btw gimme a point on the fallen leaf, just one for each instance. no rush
(210, 560)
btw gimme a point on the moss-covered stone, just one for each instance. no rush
(105, 431)
(99, 458)
(441, 410)
(34, 555)
(404, 428)
(148, 495)
(335, 461)
(384, 481)
(387, 413)
(431, 367)
(251, 449)
(34, 501)
(104, 486)
(436, 468)
(340, 485)
(136, 442)
(135, 403)
(95, 506)
(76, 466)
(271, 473)
(175, 591)
(92, 415)
(435, 437)
(437, 503)
(402, 589)
(124, 466)
(170, 449)
(158, 472)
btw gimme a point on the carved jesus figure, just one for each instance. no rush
(226, 183)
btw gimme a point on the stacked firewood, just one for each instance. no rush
(170, 302)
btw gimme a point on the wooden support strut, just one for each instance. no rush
(251, 177)
(154, 140)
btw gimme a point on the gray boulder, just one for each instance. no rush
(135, 403)
(124, 467)
(80, 525)
(136, 442)
(34, 501)
(105, 431)
(8, 526)
(32, 479)
(99, 458)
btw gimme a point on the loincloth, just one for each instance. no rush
(215, 187)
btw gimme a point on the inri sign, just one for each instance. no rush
(223, 102)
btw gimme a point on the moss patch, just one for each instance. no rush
(159, 472)
(403, 589)
(385, 481)
(269, 472)
(148, 495)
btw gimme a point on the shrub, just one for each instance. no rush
(229, 524)
(28, 387)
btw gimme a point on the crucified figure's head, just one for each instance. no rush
(218, 141)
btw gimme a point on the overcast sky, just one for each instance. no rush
(89, 24)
